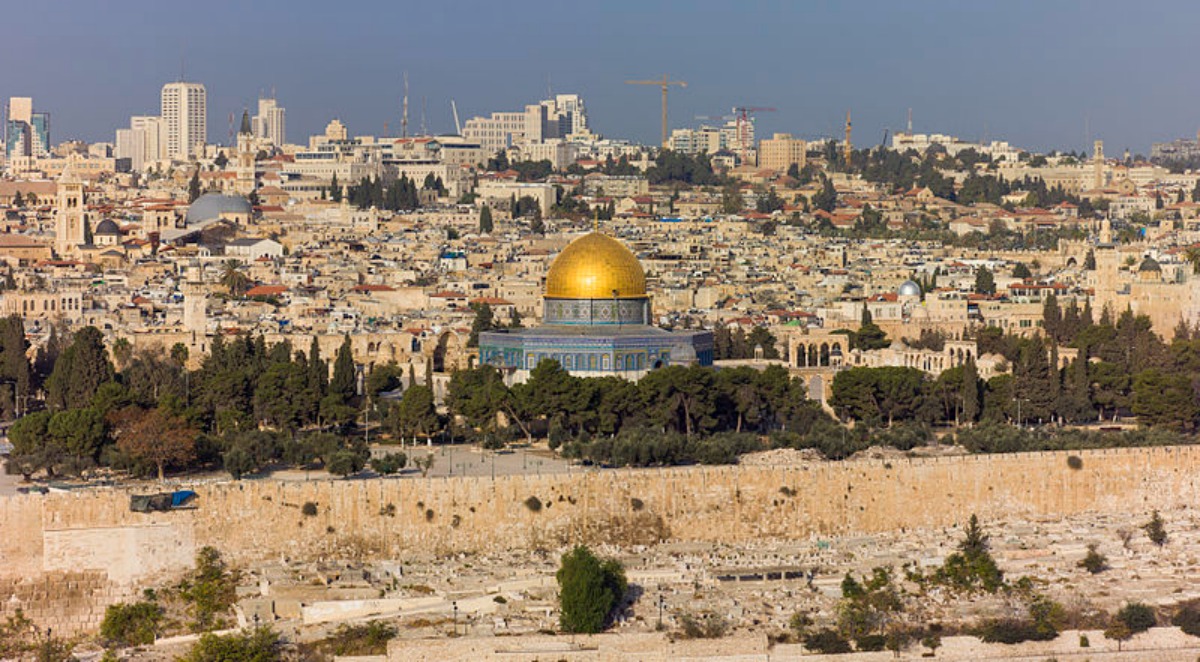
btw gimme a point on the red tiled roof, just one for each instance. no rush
(266, 290)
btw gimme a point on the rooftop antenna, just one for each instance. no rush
(404, 112)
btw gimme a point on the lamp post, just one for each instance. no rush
(661, 602)
(455, 605)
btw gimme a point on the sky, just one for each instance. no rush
(1042, 74)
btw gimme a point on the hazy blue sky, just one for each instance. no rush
(1037, 72)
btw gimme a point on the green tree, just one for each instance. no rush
(985, 283)
(342, 384)
(972, 566)
(485, 220)
(970, 393)
(34, 448)
(1138, 617)
(134, 624)
(1155, 529)
(826, 198)
(194, 187)
(590, 590)
(414, 414)
(79, 371)
(335, 189)
(232, 278)
(484, 321)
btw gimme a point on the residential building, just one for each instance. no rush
(780, 152)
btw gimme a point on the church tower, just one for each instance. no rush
(70, 217)
(1098, 160)
(244, 165)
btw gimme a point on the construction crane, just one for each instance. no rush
(665, 83)
(743, 128)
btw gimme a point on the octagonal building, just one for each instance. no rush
(596, 322)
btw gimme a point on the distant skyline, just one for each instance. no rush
(1040, 74)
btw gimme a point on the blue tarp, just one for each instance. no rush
(181, 497)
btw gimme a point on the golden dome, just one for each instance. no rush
(593, 267)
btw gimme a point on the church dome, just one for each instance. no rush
(596, 266)
(909, 289)
(107, 226)
(212, 205)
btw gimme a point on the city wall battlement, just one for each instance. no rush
(88, 544)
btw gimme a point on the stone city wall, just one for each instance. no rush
(53, 538)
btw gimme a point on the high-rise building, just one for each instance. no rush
(185, 114)
(26, 133)
(270, 122)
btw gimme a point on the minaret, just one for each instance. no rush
(1098, 160)
(245, 157)
(70, 216)
(195, 308)
(846, 148)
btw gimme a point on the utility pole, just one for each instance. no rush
(665, 84)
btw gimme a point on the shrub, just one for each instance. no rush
(590, 590)
(636, 504)
(1155, 530)
(345, 463)
(390, 463)
(309, 509)
(1188, 618)
(429, 514)
(258, 645)
(870, 643)
(1075, 462)
(130, 624)
(1137, 617)
(1094, 562)
(708, 626)
(1010, 631)
(353, 640)
(534, 504)
(827, 642)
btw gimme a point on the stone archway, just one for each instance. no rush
(448, 353)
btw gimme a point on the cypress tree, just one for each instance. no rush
(194, 187)
(970, 403)
(485, 220)
(335, 189)
(342, 383)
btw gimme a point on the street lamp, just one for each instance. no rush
(661, 602)
(455, 605)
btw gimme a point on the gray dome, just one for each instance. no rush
(1150, 264)
(909, 289)
(107, 226)
(212, 205)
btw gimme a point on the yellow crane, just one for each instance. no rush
(664, 84)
